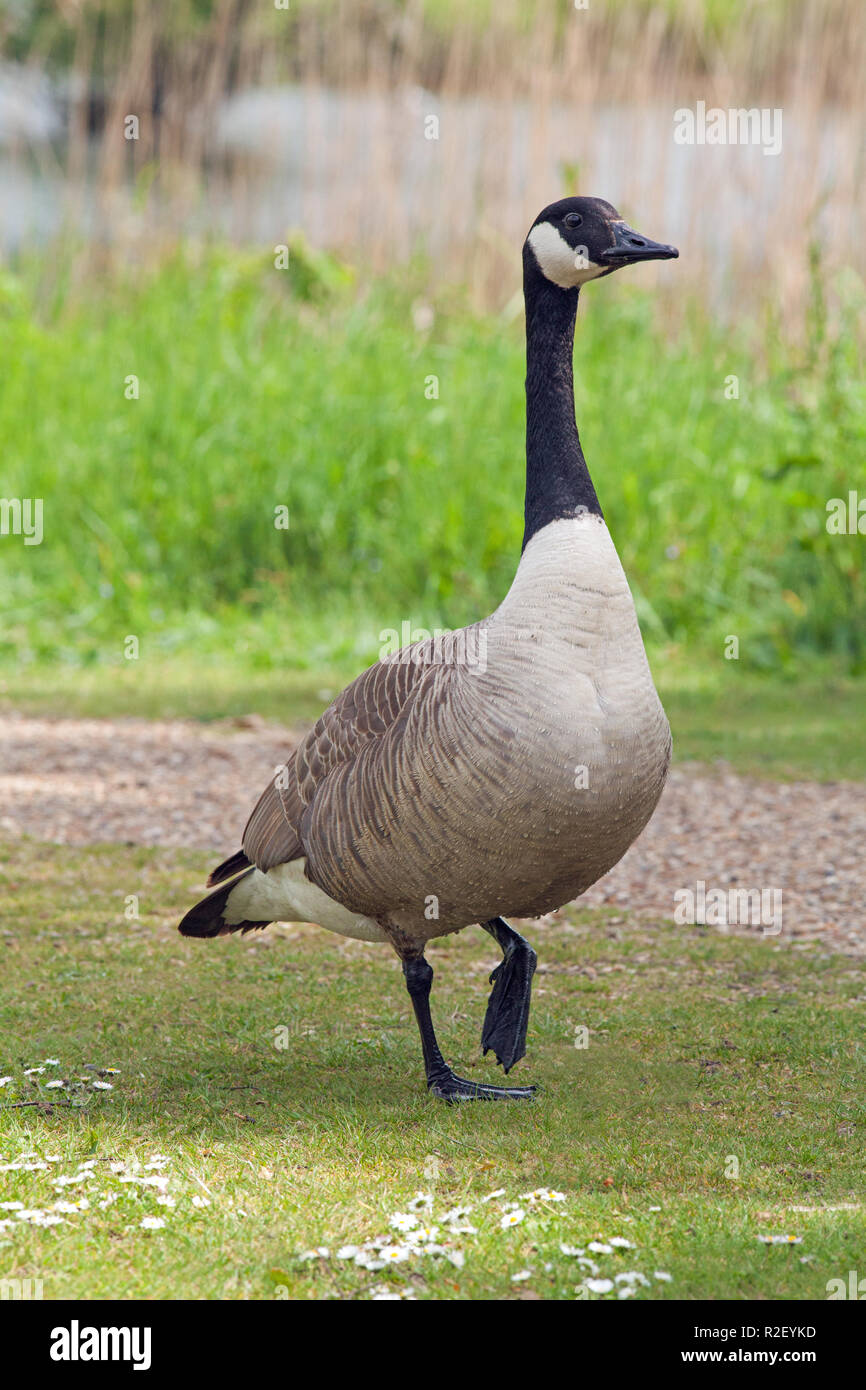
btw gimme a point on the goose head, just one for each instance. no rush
(580, 239)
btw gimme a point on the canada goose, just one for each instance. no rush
(496, 771)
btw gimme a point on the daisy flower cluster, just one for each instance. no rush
(417, 1233)
(413, 1235)
(596, 1281)
(138, 1191)
(624, 1282)
(42, 1081)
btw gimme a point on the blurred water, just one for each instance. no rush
(355, 169)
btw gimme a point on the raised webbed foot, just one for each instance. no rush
(507, 1014)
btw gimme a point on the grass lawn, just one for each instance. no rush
(232, 499)
(720, 1099)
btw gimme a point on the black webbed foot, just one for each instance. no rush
(455, 1088)
(507, 1014)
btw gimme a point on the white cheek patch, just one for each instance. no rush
(559, 262)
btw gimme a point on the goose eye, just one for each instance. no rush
(573, 219)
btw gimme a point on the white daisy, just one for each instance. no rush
(599, 1285)
(422, 1201)
(456, 1214)
(152, 1223)
(403, 1221)
(511, 1218)
(423, 1236)
(394, 1254)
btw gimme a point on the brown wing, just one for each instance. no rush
(366, 710)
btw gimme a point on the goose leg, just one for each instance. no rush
(508, 1008)
(441, 1080)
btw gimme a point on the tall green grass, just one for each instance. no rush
(261, 388)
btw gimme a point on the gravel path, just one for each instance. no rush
(86, 781)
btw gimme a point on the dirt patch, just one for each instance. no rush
(86, 781)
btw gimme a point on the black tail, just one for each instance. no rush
(228, 868)
(206, 918)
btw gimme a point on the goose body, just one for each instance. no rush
(520, 771)
(497, 771)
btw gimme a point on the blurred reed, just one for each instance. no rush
(533, 100)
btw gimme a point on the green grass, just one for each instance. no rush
(702, 1047)
(261, 389)
(807, 728)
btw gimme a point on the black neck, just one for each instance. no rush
(557, 478)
